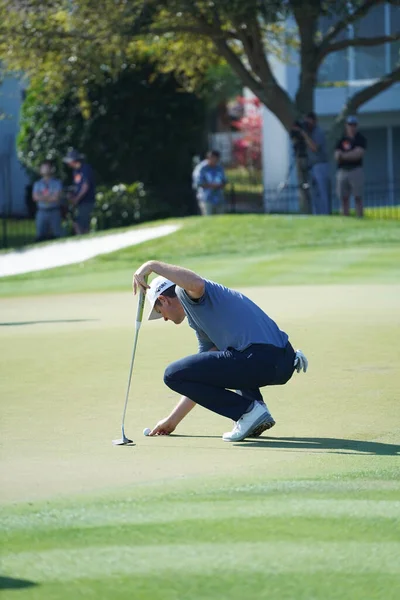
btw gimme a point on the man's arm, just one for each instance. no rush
(192, 283)
(36, 195)
(309, 141)
(168, 425)
(55, 196)
(206, 185)
(353, 155)
(82, 193)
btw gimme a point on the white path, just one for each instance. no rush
(73, 251)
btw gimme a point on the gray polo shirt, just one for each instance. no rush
(321, 155)
(225, 319)
(48, 187)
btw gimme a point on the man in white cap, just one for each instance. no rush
(240, 347)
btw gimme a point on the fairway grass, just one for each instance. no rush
(241, 250)
(310, 511)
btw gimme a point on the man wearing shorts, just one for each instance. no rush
(349, 156)
(240, 348)
(83, 197)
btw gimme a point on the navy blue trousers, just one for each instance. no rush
(207, 378)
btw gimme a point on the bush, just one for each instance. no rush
(124, 205)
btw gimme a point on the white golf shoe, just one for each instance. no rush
(248, 423)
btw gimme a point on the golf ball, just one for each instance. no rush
(146, 431)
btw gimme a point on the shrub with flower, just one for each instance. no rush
(247, 150)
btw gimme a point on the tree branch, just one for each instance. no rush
(359, 41)
(366, 94)
(244, 74)
(209, 32)
(58, 34)
(360, 12)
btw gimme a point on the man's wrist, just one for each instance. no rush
(152, 265)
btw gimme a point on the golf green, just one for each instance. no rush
(309, 511)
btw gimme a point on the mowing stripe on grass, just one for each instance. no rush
(134, 513)
(277, 557)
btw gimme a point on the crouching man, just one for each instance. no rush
(240, 348)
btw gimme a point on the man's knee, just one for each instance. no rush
(170, 375)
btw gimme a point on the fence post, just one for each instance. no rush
(4, 231)
(233, 199)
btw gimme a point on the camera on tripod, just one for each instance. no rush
(298, 141)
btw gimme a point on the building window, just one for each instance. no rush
(376, 156)
(336, 65)
(363, 62)
(369, 61)
(396, 153)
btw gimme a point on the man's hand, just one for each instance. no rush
(338, 155)
(164, 427)
(140, 277)
(192, 283)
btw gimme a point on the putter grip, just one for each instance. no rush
(140, 307)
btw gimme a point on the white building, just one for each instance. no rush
(340, 76)
(13, 179)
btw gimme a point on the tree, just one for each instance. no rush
(186, 36)
(140, 128)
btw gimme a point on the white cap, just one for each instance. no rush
(157, 287)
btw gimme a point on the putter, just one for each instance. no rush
(123, 441)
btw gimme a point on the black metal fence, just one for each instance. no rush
(380, 200)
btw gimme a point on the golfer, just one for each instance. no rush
(240, 348)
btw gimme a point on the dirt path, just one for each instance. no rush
(68, 252)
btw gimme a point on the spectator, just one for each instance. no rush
(211, 183)
(83, 197)
(349, 156)
(318, 163)
(199, 164)
(47, 195)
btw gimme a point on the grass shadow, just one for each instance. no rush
(182, 435)
(18, 323)
(9, 583)
(336, 445)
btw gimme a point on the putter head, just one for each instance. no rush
(122, 441)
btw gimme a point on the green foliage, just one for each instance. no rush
(123, 205)
(140, 126)
(220, 84)
(76, 49)
(47, 129)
